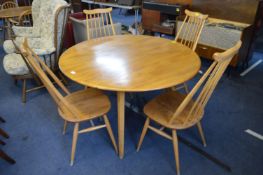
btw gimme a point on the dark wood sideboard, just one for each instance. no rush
(239, 13)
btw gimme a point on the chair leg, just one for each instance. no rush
(63, 79)
(24, 91)
(65, 127)
(74, 143)
(2, 142)
(3, 133)
(4, 156)
(186, 88)
(176, 152)
(144, 130)
(2, 120)
(200, 130)
(92, 123)
(15, 82)
(108, 126)
(4, 30)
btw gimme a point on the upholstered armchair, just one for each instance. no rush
(41, 35)
(44, 37)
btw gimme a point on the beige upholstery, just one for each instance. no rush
(15, 65)
(41, 37)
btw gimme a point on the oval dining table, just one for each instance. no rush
(128, 63)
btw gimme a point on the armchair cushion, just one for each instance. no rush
(9, 47)
(38, 45)
(14, 64)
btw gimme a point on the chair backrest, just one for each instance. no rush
(206, 84)
(47, 19)
(9, 4)
(191, 28)
(61, 19)
(44, 72)
(25, 18)
(99, 23)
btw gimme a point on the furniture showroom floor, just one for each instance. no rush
(38, 146)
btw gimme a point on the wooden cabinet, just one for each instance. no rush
(149, 18)
(207, 52)
(154, 12)
(232, 12)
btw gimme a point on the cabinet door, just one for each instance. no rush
(149, 18)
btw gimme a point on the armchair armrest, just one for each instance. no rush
(13, 21)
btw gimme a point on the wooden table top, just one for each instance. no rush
(13, 12)
(129, 63)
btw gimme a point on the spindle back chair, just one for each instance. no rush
(191, 28)
(77, 107)
(189, 33)
(99, 23)
(9, 4)
(177, 111)
(25, 19)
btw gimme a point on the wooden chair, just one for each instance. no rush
(190, 31)
(99, 23)
(191, 28)
(25, 19)
(51, 58)
(177, 111)
(9, 4)
(77, 107)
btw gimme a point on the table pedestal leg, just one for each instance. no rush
(121, 122)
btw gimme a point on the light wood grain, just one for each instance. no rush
(177, 111)
(121, 121)
(9, 4)
(191, 28)
(99, 23)
(129, 63)
(189, 33)
(13, 12)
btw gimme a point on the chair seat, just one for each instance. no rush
(35, 43)
(9, 47)
(15, 65)
(162, 108)
(90, 103)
